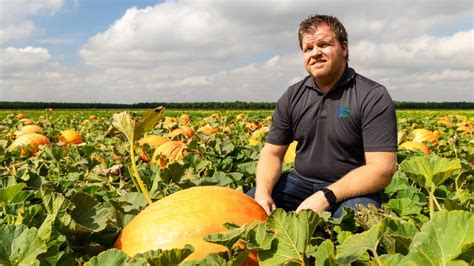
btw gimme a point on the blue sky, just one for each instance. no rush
(213, 50)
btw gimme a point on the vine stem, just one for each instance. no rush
(431, 199)
(137, 176)
(377, 258)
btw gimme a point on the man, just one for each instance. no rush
(344, 123)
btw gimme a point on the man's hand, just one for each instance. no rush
(316, 202)
(266, 202)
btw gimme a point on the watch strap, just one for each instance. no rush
(329, 196)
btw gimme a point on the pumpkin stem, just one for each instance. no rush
(142, 186)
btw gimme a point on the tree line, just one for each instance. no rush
(209, 105)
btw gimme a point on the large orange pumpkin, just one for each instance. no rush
(186, 217)
(68, 137)
(29, 143)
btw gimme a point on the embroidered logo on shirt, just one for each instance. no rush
(343, 111)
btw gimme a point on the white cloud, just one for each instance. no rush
(212, 50)
(14, 16)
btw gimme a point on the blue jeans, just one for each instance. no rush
(291, 190)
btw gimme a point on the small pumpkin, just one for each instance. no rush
(184, 119)
(208, 130)
(256, 137)
(26, 121)
(186, 217)
(29, 143)
(68, 137)
(421, 135)
(154, 141)
(465, 127)
(401, 136)
(28, 129)
(240, 117)
(183, 130)
(20, 116)
(415, 146)
(169, 121)
(169, 152)
(253, 125)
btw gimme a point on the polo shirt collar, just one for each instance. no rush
(347, 76)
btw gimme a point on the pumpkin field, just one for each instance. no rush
(75, 186)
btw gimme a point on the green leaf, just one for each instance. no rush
(391, 259)
(89, 215)
(148, 121)
(260, 238)
(132, 201)
(125, 124)
(19, 245)
(429, 171)
(114, 257)
(356, 245)
(8, 194)
(404, 207)
(227, 238)
(173, 173)
(209, 260)
(166, 257)
(443, 240)
(292, 236)
(58, 206)
(325, 254)
(400, 233)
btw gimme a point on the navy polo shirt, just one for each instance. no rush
(334, 129)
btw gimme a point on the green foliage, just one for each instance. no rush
(66, 205)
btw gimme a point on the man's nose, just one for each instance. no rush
(316, 51)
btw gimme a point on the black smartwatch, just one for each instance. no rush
(329, 196)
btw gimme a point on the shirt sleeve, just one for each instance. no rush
(379, 121)
(281, 132)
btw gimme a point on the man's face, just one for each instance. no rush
(324, 56)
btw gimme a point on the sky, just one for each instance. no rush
(117, 51)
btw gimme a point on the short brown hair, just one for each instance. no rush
(312, 21)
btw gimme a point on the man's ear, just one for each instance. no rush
(345, 48)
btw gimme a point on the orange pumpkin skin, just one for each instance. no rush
(415, 146)
(421, 135)
(69, 137)
(184, 119)
(169, 152)
(20, 116)
(186, 217)
(208, 130)
(28, 129)
(154, 141)
(33, 140)
(183, 130)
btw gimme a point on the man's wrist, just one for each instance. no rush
(330, 197)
